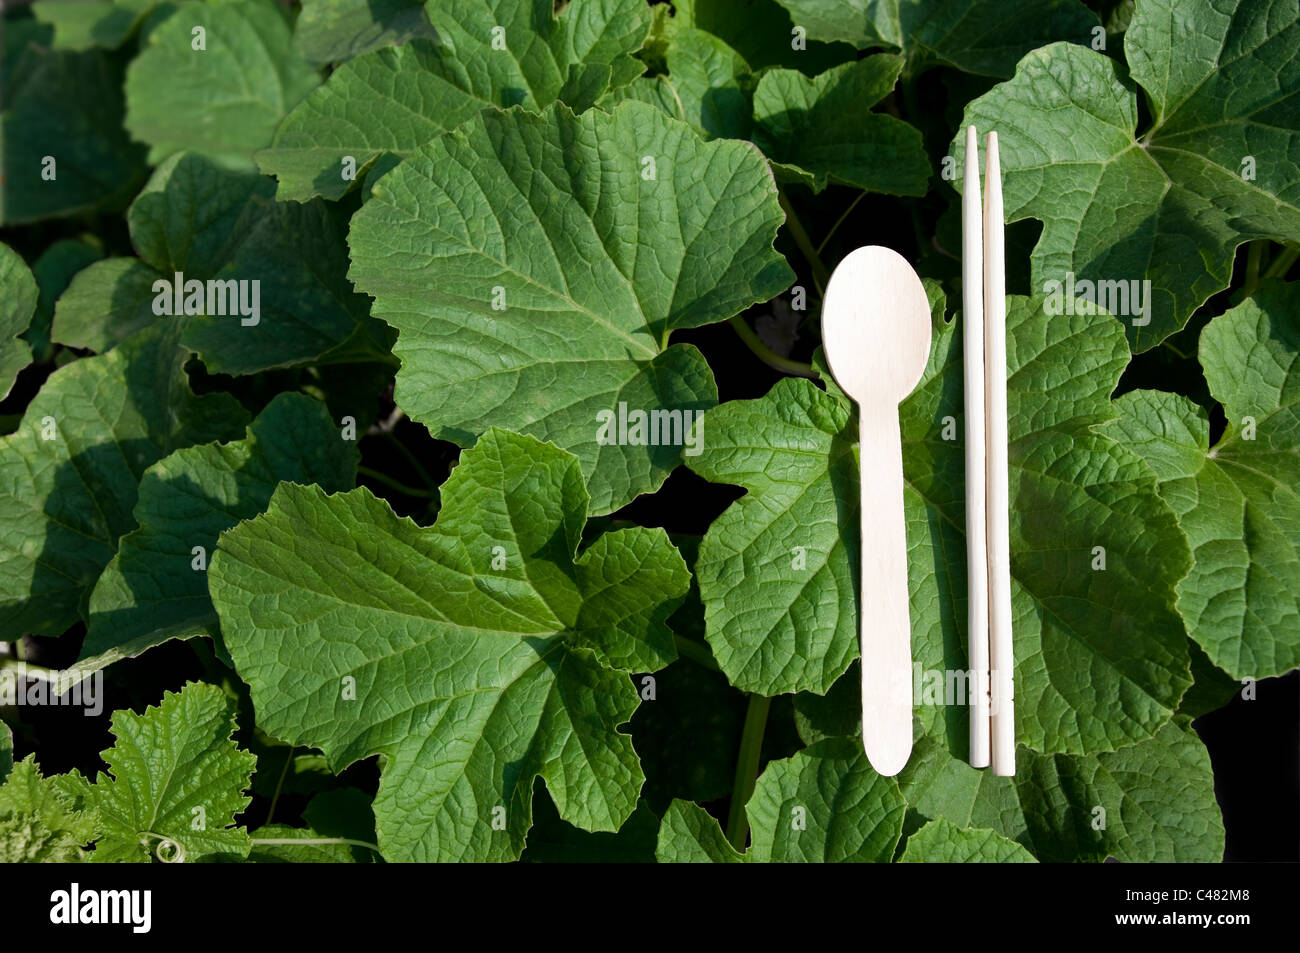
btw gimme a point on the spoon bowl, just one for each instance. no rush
(876, 325)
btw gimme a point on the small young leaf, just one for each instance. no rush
(176, 781)
(38, 824)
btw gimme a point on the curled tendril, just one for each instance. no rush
(168, 851)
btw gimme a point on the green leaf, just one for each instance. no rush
(151, 591)
(176, 781)
(66, 106)
(85, 24)
(942, 842)
(1236, 500)
(557, 219)
(1148, 802)
(211, 224)
(392, 101)
(977, 36)
(777, 570)
(1169, 205)
(708, 85)
(690, 835)
(331, 31)
(17, 303)
(6, 750)
(69, 475)
(824, 804)
(224, 99)
(53, 271)
(817, 129)
(360, 633)
(737, 23)
(38, 824)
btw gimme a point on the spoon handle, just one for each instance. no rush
(885, 621)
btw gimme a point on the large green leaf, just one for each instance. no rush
(978, 36)
(362, 633)
(330, 31)
(535, 266)
(941, 841)
(69, 475)
(1218, 166)
(152, 590)
(38, 824)
(777, 570)
(818, 129)
(824, 804)
(175, 782)
(62, 116)
(488, 53)
(1236, 500)
(17, 303)
(224, 99)
(1148, 802)
(208, 223)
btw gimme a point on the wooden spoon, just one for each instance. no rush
(876, 334)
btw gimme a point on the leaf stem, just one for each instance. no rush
(298, 841)
(840, 221)
(397, 485)
(412, 459)
(767, 355)
(697, 653)
(1282, 264)
(279, 784)
(1254, 256)
(803, 242)
(751, 744)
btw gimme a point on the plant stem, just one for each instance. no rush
(697, 653)
(804, 243)
(1282, 264)
(412, 459)
(767, 355)
(751, 744)
(275, 798)
(840, 221)
(299, 841)
(388, 481)
(1254, 256)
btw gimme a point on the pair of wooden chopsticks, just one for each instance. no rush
(988, 545)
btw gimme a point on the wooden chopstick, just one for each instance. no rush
(1001, 656)
(977, 578)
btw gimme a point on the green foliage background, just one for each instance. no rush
(377, 589)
